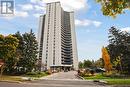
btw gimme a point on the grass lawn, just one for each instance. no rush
(10, 78)
(111, 81)
(33, 75)
(118, 81)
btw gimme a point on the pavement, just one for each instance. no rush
(62, 76)
(62, 79)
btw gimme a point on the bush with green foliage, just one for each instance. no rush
(36, 74)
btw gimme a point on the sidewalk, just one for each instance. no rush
(71, 75)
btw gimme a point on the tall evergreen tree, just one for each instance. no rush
(29, 51)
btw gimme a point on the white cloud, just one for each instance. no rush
(126, 29)
(96, 23)
(34, 1)
(26, 7)
(22, 14)
(87, 22)
(66, 4)
(82, 23)
(39, 8)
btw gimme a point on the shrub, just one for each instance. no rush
(31, 73)
(92, 72)
(36, 74)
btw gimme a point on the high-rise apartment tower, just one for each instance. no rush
(57, 39)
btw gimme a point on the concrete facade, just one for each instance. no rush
(56, 38)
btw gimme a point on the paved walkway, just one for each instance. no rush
(62, 76)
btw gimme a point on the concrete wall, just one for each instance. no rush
(74, 45)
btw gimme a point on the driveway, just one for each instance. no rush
(71, 75)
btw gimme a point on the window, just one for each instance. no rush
(46, 54)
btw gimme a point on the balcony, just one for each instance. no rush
(64, 46)
(66, 56)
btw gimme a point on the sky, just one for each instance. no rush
(90, 24)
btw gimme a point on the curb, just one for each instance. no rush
(80, 77)
(99, 81)
(10, 81)
(120, 85)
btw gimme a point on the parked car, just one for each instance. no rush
(100, 70)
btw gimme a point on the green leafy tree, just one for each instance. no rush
(8, 46)
(114, 7)
(87, 64)
(80, 65)
(2, 41)
(99, 63)
(93, 64)
(119, 47)
(19, 51)
(117, 64)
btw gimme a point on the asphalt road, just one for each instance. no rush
(62, 79)
(54, 83)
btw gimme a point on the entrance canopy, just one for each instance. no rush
(61, 66)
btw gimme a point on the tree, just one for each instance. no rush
(117, 64)
(93, 64)
(99, 63)
(19, 51)
(114, 7)
(87, 64)
(80, 65)
(106, 58)
(119, 47)
(30, 47)
(8, 45)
